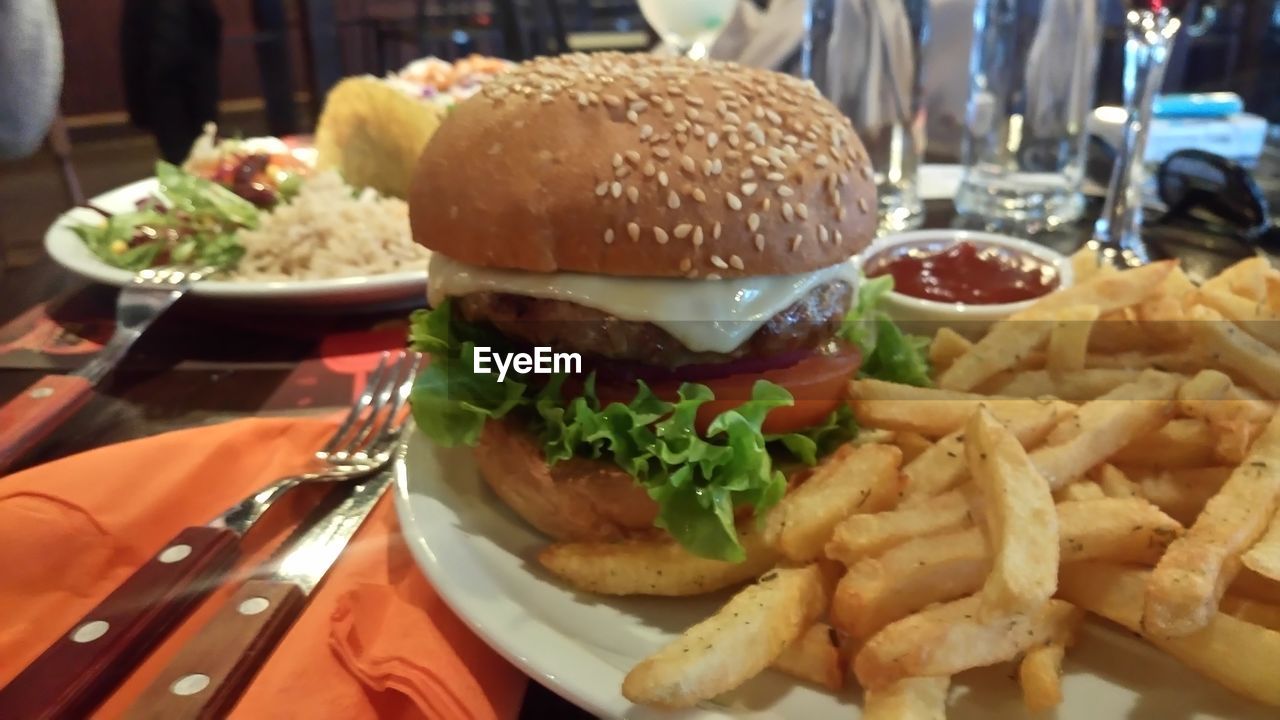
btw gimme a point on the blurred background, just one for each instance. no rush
(274, 60)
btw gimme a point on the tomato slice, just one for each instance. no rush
(817, 383)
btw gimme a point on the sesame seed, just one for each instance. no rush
(633, 117)
(634, 231)
(639, 106)
(691, 113)
(866, 173)
(840, 213)
(775, 177)
(682, 139)
(633, 194)
(839, 237)
(785, 191)
(733, 201)
(697, 236)
(633, 157)
(681, 126)
(668, 108)
(717, 166)
(715, 230)
(687, 163)
(693, 100)
(622, 172)
(602, 189)
(582, 99)
(822, 161)
(713, 276)
(759, 161)
(544, 98)
(699, 131)
(749, 188)
(764, 204)
(734, 140)
(660, 235)
(686, 264)
(699, 195)
(617, 160)
(736, 262)
(673, 200)
(862, 205)
(788, 212)
(759, 241)
(612, 101)
(662, 152)
(712, 140)
(615, 189)
(747, 173)
(823, 235)
(682, 231)
(649, 169)
(662, 178)
(608, 236)
(802, 210)
(773, 116)
(795, 243)
(719, 262)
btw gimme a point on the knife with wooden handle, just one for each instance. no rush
(210, 672)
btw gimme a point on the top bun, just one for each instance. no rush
(644, 166)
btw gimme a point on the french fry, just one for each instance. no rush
(1231, 348)
(1103, 426)
(1253, 316)
(733, 645)
(911, 444)
(1237, 654)
(1246, 278)
(1181, 442)
(1251, 611)
(947, 345)
(879, 590)
(857, 478)
(1078, 386)
(942, 466)
(1249, 584)
(913, 698)
(1109, 291)
(1119, 332)
(950, 638)
(1182, 493)
(1176, 360)
(1021, 522)
(1234, 438)
(1197, 395)
(1085, 264)
(1006, 345)
(1115, 483)
(868, 534)
(1079, 490)
(652, 567)
(814, 657)
(1040, 672)
(1272, 290)
(1264, 557)
(928, 411)
(1069, 339)
(1184, 589)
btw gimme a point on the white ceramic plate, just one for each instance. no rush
(66, 248)
(481, 559)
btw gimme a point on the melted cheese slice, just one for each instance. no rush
(705, 315)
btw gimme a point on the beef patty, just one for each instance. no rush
(806, 324)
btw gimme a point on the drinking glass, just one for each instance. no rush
(865, 56)
(1150, 29)
(1032, 69)
(689, 26)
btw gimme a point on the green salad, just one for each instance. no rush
(191, 220)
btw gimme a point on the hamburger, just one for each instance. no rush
(685, 229)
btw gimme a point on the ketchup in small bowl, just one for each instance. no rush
(965, 272)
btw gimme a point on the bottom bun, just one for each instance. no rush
(577, 499)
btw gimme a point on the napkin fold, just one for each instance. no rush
(375, 640)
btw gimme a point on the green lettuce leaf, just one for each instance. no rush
(887, 352)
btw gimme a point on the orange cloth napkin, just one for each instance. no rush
(375, 641)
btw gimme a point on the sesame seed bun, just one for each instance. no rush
(644, 166)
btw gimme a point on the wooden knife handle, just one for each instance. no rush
(86, 664)
(36, 412)
(211, 671)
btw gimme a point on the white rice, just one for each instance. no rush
(326, 232)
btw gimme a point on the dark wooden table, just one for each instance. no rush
(201, 364)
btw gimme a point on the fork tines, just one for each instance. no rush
(375, 420)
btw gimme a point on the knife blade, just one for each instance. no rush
(211, 671)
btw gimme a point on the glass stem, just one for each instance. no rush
(1118, 233)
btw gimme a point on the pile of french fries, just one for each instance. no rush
(1112, 451)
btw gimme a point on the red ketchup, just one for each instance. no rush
(966, 273)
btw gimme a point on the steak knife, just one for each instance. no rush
(211, 672)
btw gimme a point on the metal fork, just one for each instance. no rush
(36, 412)
(87, 663)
